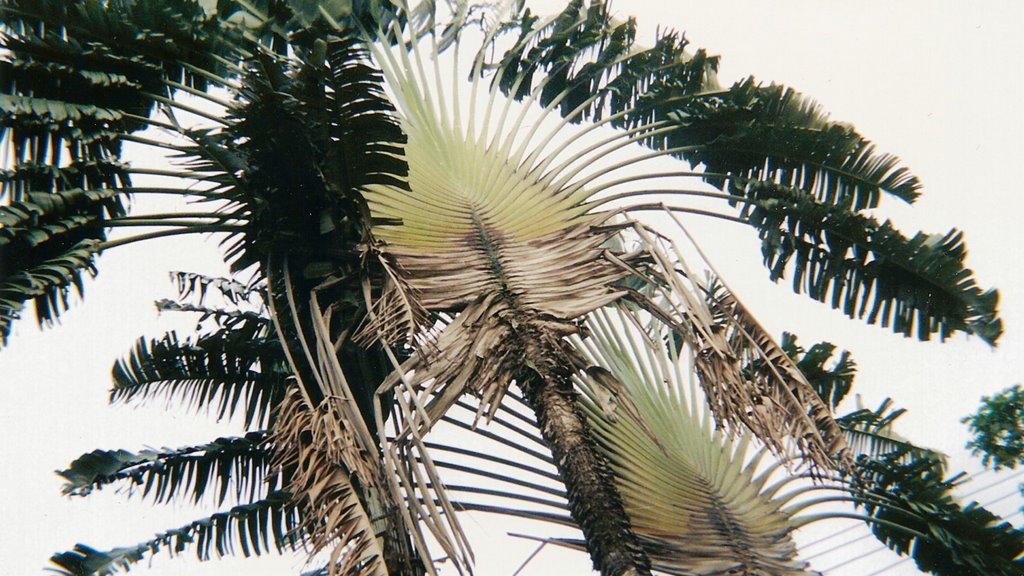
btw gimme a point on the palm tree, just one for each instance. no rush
(654, 435)
(418, 244)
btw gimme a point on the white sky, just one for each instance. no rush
(937, 83)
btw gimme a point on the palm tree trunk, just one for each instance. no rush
(400, 556)
(594, 500)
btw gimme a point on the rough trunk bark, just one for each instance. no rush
(594, 500)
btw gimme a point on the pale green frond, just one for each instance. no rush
(496, 225)
(482, 225)
(689, 492)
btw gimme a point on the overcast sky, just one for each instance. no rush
(937, 83)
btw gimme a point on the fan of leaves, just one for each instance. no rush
(801, 179)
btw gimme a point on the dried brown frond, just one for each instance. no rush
(749, 379)
(396, 315)
(502, 289)
(330, 479)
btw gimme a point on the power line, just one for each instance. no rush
(908, 558)
(992, 485)
(831, 536)
(841, 545)
(845, 543)
(889, 567)
(1001, 498)
(856, 559)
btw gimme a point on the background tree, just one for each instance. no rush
(997, 429)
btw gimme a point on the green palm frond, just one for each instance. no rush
(957, 540)
(329, 111)
(272, 524)
(140, 39)
(279, 23)
(751, 131)
(697, 504)
(909, 501)
(48, 281)
(586, 51)
(91, 78)
(223, 372)
(774, 134)
(28, 180)
(870, 433)
(237, 466)
(831, 383)
(41, 218)
(869, 269)
(79, 79)
(749, 138)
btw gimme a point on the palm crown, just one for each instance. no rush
(414, 245)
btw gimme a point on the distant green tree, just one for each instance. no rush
(998, 429)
